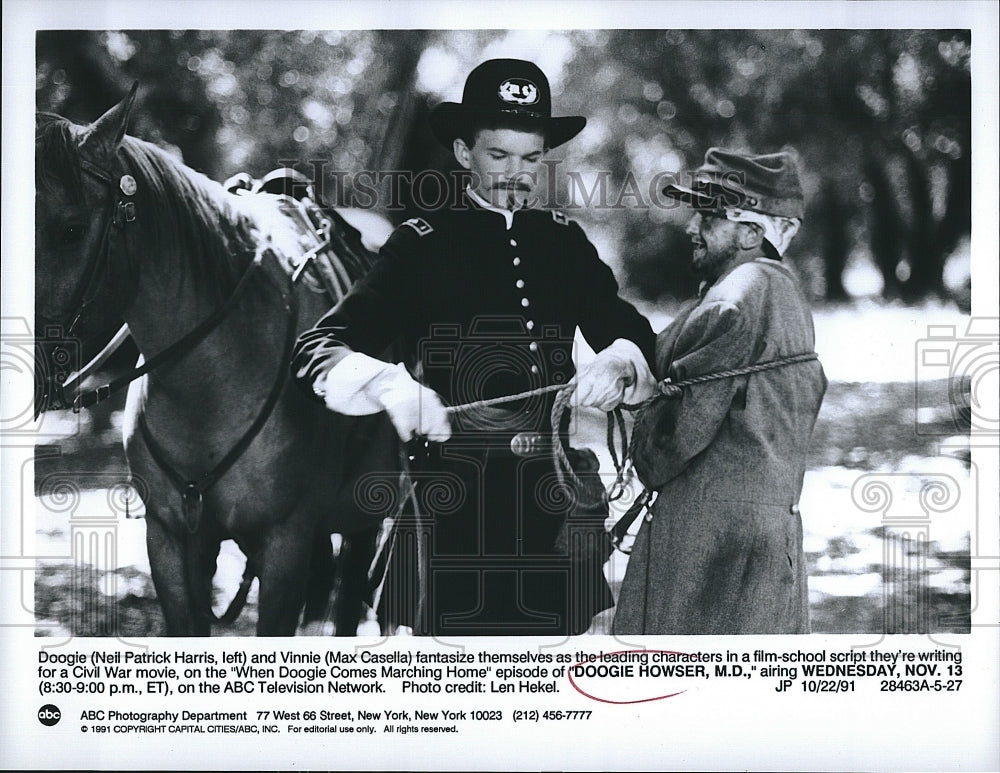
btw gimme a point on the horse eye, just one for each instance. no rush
(72, 234)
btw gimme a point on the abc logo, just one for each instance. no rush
(49, 715)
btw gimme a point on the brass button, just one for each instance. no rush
(525, 302)
(516, 261)
(519, 284)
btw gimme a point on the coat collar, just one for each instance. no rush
(705, 286)
(480, 203)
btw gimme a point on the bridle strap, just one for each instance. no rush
(74, 380)
(200, 485)
(100, 264)
(177, 349)
(192, 491)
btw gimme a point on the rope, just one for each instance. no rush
(666, 389)
(670, 389)
(509, 398)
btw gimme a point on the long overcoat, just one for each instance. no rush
(722, 551)
(488, 305)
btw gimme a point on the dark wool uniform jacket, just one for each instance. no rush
(486, 310)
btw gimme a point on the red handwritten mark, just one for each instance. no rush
(583, 692)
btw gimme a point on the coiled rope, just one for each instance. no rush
(623, 454)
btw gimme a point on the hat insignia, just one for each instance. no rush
(518, 91)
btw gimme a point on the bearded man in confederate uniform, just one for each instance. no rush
(721, 549)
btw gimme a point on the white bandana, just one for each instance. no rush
(777, 230)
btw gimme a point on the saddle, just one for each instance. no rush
(333, 255)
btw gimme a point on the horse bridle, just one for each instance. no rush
(119, 211)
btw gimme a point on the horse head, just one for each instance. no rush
(82, 203)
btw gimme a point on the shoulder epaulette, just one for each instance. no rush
(418, 224)
(560, 217)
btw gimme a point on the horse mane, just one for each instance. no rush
(183, 209)
(54, 142)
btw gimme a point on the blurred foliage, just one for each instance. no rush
(855, 105)
(880, 120)
(229, 101)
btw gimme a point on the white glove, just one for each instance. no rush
(618, 374)
(359, 385)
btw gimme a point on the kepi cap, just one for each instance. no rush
(768, 184)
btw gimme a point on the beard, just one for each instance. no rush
(703, 262)
(709, 261)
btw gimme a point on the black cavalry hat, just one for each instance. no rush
(504, 87)
(768, 184)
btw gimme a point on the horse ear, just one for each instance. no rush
(106, 133)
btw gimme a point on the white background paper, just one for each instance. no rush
(710, 728)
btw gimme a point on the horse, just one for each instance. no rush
(211, 286)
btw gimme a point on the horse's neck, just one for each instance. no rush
(173, 296)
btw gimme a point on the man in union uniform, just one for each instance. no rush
(487, 296)
(721, 551)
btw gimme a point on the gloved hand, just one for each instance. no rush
(617, 374)
(413, 408)
(360, 384)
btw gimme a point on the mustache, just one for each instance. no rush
(513, 186)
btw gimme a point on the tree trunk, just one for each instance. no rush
(94, 86)
(885, 232)
(957, 220)
(926, 259)
(836, 243)
(400, 82)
